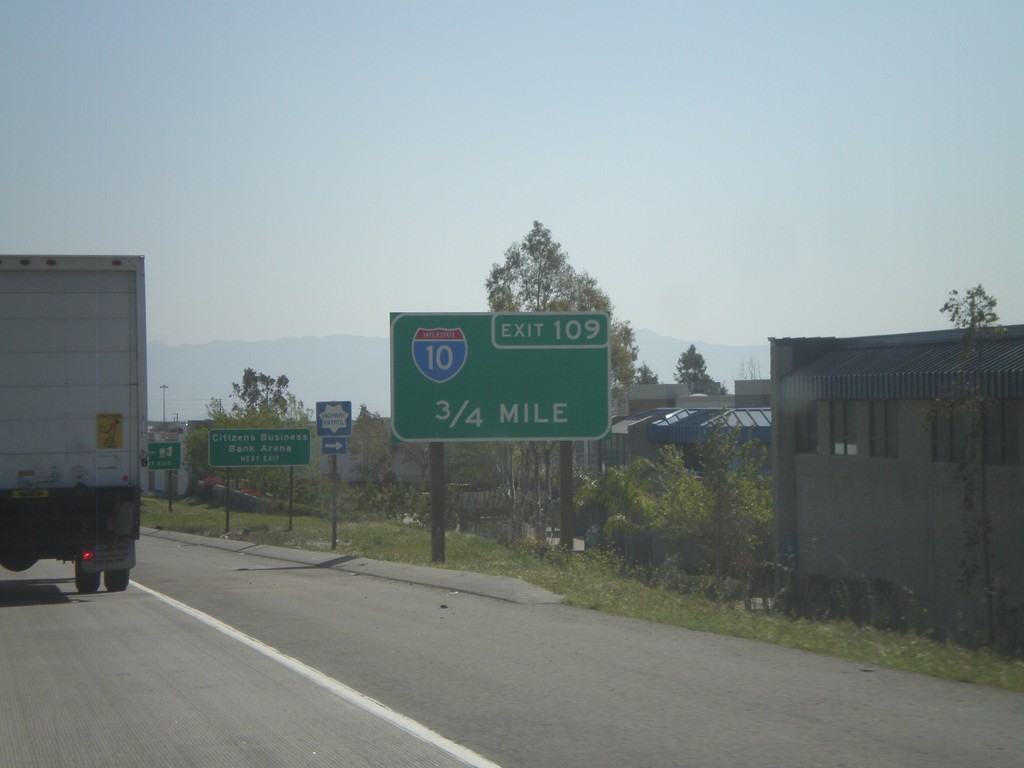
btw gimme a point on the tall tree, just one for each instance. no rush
(260, 393)
(974, 314)
(741, 501)
(691, 368)
(370, 446)
(536, 276)
(644, 375)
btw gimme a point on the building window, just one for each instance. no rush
(1001, 438)
(843, 427)
(1002, 433)
(884, 429)
(949, 436)
(807, 428)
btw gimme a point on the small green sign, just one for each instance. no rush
(164, 456)
(264, 447)
(504, 376)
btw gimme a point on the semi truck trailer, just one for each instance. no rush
(72, 413)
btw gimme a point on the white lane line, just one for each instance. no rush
(341, 690)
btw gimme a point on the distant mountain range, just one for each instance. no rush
(358, 368)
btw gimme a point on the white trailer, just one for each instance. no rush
(72, 413)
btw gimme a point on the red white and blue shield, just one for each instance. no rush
(439, 353)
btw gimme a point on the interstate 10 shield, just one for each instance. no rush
(439, 353)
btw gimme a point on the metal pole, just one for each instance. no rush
(334, 501)
(291, 480)
(565, 493)
(437, 502)
(227, 499)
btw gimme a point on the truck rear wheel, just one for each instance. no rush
(17, 562)
(116, 581)
(86, 583)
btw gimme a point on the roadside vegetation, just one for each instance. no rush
(593, 581)
(682, 538)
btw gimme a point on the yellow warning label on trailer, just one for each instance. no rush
(109, 430)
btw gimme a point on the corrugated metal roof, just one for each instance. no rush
(913, 367)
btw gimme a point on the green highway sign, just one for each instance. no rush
(503, 376)
(164, 456)
(261, 447)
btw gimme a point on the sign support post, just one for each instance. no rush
(227, 499)
(334, 501)
(165, 456)
(565, 496)
(291, 481)
(437, 502)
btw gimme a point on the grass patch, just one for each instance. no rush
(593, 581)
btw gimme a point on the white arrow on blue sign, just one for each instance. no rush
(334, 445)
(334, 419)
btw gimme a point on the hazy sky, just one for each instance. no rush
(727, 171)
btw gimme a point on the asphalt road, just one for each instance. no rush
(235, 658)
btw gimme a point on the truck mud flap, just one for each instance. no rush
(109, 556)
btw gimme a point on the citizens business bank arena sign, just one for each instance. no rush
(270, 447)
